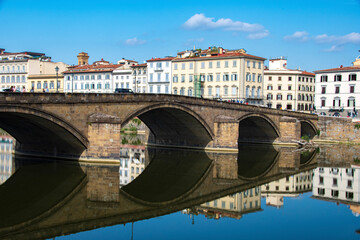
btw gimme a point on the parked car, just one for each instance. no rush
(5, 90)
(336, 114)
(322, 114)
(351, 114)
(123, 90)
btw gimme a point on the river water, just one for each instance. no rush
(153, 193)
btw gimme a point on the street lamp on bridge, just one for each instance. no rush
(57, 78)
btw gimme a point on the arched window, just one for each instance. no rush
(175, 91)
(190, 92)
(247, 91)
(182, 91)
(258, 92)
(253, 92)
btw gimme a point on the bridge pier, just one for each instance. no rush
(290, 129)
(104, 137)
(226, 130)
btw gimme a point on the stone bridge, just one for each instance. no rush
(88, 125)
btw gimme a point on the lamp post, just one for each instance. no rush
(57, 77)
(135, 79)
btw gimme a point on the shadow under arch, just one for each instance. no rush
(255, 161)
(37, 189)
(257, 128)
(173, 124)
(308, 129)
(39, 132)
(170, 175)
(306, 157)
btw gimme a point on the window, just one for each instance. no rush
(151, 77)
(210, 91)
(349, 184)
(226, 77)
(203, 65)
(352, 77)
(351, 102)
(182, 78)
(175, 90)
(234, 77)
(248, 77)
(191, 78)
(334, 193)
(234, 90)
(259, 65)
(269, 87)
(337, 89)
(210, 64)
(38, 85)
(279, 78)
(99, 77)
(289, 97)
(352, 89)
(335, 182)
(270, 78)
(159, 77)
(323, 102)
(175, 79)
(337, 78)
(269, 96)
(175, 66)
(349, 195)
(234, 63)
(191, 65)
(253, 77)
(336, 102)
(226, 64)
(210, 78)
(259, 78)
(290, 79)
(182, 91)
(279, 87)
(217, 89)
(254, 64)
(218, 77)
(159, 89)
(151, 89)
(323, 89)
(183, 66)
(324, 78)
(167, 77)
(248, 64)
(226, 90)
(289, 87)
(321, 191)
(218, 64)
(279, 96)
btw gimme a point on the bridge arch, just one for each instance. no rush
(257, 127)
(40, 132)
(172, 124)
(308, 128)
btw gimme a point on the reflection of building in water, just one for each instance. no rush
(233, 206)
(6, 160)
(290, 186)
(338, 184)
(132, 163)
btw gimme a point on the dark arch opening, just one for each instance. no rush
(38, 135)
(172, 126)
(255, 160)
(307, 130)
(257, 129)
(170, 174)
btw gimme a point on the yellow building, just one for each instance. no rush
(219, 73)
(46, 82)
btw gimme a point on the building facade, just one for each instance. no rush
(17, 68)
(132, 163)
(288, 89)
(139, 73)
(290, 186)
(219, 73)
(159, 75)
(338, 89)
(337, 184)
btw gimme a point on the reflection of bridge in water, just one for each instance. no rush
(66, 198)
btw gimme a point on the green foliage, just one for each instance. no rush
(357, 160)
(136, 121)
(318, 132)
(124, 141)
(306, 138)
(357, 126)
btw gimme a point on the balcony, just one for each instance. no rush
(158, 69)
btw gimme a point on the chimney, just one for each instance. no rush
(2, 50)
(83, 58)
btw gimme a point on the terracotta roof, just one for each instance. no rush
(160, 59)
(225, 55)
(140, 65)
(92, 68)
(17, 53)
(351, 68)
(308, 73)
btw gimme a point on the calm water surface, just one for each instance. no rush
(261, 192)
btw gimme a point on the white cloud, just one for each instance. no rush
(200, 21)
(301, 36)
(349, 38)
(134, 42)
(258, 35)
(334, 48)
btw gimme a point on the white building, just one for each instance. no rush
(7, 164)
(337, 184)
(132, 163)
(140, 78)
(123, 75)
(15, 68)
(290, 89)
(159, 75)
(338, 89)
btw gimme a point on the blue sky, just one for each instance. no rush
(313, 34)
